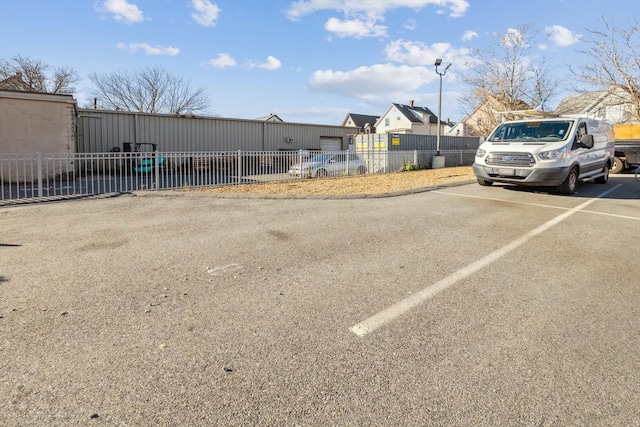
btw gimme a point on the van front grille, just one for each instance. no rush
(510, 159)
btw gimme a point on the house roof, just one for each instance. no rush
(580, 103)
(415, 114)
(360, 120)
(494, 105)
(270, 118)
(15, 82)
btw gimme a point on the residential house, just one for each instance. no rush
(614, 106)
(459, 129)
(15, 82)
(408, 119)
(365, 123)
(486, 116)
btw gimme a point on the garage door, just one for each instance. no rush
(330, 144)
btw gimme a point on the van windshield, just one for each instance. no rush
(545, 131)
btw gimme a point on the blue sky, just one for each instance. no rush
(308, 61)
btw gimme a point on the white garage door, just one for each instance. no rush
(330, 144)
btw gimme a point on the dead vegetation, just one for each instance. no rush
(373, 184)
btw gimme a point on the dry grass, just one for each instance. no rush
(355, 185)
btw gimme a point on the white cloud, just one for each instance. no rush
(561, 36)
(469, 35)
(371, 83)
(354, 28)
(148, 49)
(223, 60)
(410, 24)
(205, 13)
(363, 18)
(302, 8)
(272, 63)
(418, 53)
(123, 11)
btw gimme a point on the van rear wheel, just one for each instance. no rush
(570, 183)
(604, 178)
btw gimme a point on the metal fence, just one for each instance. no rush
(43, 176)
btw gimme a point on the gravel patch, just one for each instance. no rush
(359, 185)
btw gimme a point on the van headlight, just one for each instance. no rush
(554, 154)
(480, 152)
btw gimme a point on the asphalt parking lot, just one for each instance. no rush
(462, 306)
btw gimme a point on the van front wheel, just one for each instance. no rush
(570, 183)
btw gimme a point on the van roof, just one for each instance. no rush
(553, 119)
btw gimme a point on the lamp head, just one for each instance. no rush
(438, 61)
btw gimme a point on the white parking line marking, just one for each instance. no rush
(376, 321)
(537, 204)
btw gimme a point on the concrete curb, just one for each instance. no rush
(188, 193)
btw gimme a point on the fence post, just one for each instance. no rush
(346, 154)
(39, 167)
(156, 184)
(300, 161)
(239, 167)
(415, 158)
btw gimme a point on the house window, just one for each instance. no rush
(386, 121)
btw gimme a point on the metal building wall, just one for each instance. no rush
(282, 136)
(404, 142)
(429, 142)
(101, 131)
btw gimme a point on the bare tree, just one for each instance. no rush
(24, 73)
(504, 76)
(151, 90)
(614, 64)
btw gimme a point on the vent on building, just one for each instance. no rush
(289, 139)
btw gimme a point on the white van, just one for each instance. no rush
(548, 152)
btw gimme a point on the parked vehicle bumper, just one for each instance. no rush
(534, 177)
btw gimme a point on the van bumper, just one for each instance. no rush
(544, 177)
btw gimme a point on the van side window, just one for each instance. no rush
(582, 130)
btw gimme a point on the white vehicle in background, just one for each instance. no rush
(547, 152)
(329, 164)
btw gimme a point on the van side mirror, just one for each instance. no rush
(587, 141)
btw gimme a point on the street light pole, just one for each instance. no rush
(438, 161)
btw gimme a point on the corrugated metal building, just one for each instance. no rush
(102, 131)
